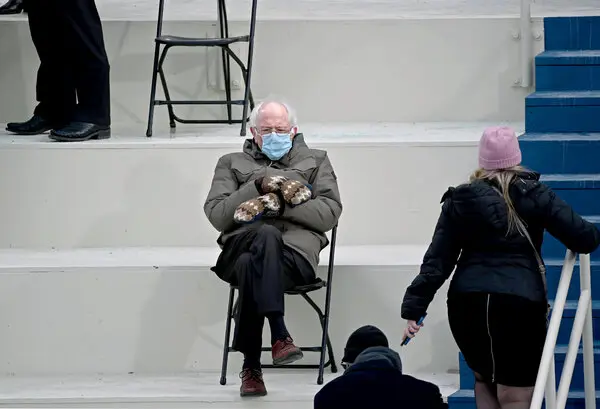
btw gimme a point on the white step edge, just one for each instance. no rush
(318, 135)
(144, 257)
(200, 388)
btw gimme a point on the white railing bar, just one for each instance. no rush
(585, 279)
(551, 385)
(526, 44)
(573, 349)
(552, 333)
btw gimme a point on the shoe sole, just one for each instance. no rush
(252, 394)
(289, 358)
(100, 134)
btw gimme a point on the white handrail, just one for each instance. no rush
(526, 44)
(581, 326)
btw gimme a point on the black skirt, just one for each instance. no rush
(501, 336)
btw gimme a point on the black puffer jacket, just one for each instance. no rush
(473, 225)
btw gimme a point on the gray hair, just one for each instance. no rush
(255, 114)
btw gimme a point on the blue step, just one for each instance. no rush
(552, 248)
(577, 70)
(572, 33)
(553, 270)
(465, 399)
(467, 380)
(566, 111)
(581, 191)
(561, 152)
(564, 332)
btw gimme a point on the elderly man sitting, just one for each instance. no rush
(272, 204)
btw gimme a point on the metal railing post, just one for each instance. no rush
(552, 334)
(582, 327)
(573, 349)
(585, 279)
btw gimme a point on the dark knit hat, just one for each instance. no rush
(361, 339)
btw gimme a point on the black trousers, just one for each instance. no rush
(73, 77)
(263, 267)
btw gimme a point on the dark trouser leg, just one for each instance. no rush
(55, 91)
(264, 268)
(85, 43)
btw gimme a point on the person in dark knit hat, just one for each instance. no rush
(361, 339)
(373, 378)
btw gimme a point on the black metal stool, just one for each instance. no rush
(323, 319)
(224, 41)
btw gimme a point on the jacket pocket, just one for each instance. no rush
(306, 169)
(247, 171)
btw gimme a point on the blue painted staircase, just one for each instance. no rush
(562, 141)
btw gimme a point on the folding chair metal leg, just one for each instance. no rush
(224, 31)
(163, 81)
(226, 343)
(249, 67)
(153, 91)
(334, 368)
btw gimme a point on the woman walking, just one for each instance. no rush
(491, 230)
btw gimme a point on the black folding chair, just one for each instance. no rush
(323, 319)
(224, 42)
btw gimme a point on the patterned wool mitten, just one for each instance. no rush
(268, 205)
(295, 193)
(270, 184)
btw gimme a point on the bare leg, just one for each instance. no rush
(513, 397)
(485, 394)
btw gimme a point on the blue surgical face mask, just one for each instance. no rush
(276, 145)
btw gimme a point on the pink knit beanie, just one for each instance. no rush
(499, 148)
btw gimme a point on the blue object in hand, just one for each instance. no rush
(407, 339)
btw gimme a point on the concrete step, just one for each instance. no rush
(572, 33)
(350, 67)
(567, 70)
(581, 191)
(561, 152)
(136, 191)
(467, 380)
(161, 310)
(287, 389)
(465, 399)
(552, 248)
(553, 271)
(567, 111)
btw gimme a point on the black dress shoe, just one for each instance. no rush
(12, 7)
(79, 132)
(34, 126)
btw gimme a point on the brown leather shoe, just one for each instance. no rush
(252, 383)
(285, 352)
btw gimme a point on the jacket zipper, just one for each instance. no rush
(487, 321)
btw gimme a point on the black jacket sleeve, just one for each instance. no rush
(438, 263)
(571, 229)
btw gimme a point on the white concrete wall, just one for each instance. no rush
(403, 70)
(167, 320)
(135, 192)
(340, 9)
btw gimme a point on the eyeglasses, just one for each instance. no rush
(267, 131)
